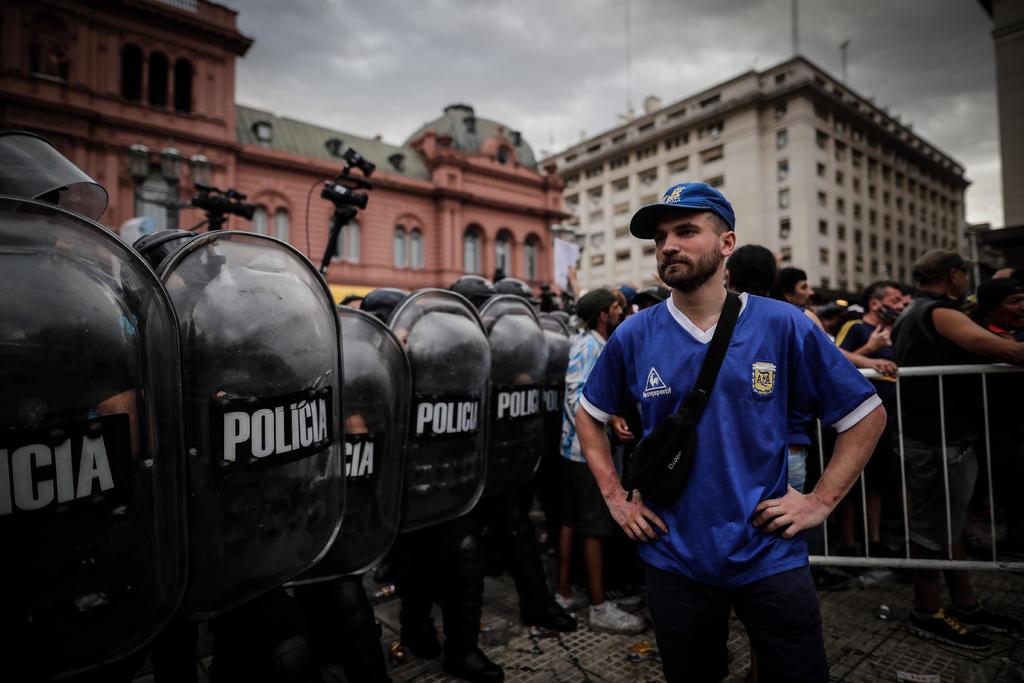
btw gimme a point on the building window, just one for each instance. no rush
(620, 185)
(781, 139)
(646, 152)
(783, 199)
(679, 165)
(713, 154)
(823, 255)
(717, 181)
(416, 259)
(841, 232)
(648, 177)
(784, 229)
(155, 197)
(471, 250)
(840, 205)
(594, 171)
(821, 139)
(787, 254)
(503, 254)
(183, 86)
(281, 224)
(131, 72)
(48, 47)
(597, 260)
(822, 227)
(710, 101)
(822, 199)
(618, 162)
(400, 256)
(348, 243)
(259, 221)
(530, 257)
(622, 255)
(839, 178)
(158, 71)
(780, 111)
(782, 170)
(821, 170)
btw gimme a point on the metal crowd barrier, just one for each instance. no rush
(995, 563)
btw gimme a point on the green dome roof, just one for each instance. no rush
(468, 132)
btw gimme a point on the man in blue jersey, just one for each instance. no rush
(733, 537)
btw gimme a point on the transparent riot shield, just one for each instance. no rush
(558, 341)
(451, 360)
(92, 502)
(261, 381)
(378, 382)
(515, 416)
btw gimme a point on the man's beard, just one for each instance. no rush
(696, 274)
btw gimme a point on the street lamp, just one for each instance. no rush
(138, 161)
(200, 168)
(170, 164)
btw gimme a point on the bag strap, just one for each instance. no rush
(716, 351)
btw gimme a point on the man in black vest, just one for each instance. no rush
(933, 331)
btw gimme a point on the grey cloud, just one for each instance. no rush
(555, 67)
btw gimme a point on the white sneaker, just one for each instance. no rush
(571, 603)
(610, 618)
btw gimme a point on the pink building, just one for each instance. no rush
(140, 94)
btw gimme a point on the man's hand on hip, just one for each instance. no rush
(795, 511)
(635, 518)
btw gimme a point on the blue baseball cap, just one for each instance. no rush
(687, 196)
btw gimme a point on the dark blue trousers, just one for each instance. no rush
(780, 613)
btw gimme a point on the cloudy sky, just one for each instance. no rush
(557, 68)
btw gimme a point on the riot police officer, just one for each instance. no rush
(516, 442)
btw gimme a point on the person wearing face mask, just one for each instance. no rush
(870, 336)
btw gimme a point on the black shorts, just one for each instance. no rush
(583, 506)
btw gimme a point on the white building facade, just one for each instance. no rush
(814, 171)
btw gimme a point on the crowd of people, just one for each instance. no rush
(893, 326)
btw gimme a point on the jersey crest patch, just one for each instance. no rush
(655, 385)
(763, 378)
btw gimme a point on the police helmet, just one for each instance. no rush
(382, 301)
(512, 285)
(156, 247)
(475, 288)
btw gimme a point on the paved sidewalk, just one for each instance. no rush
(861, 646)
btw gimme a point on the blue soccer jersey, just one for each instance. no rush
(777, 360)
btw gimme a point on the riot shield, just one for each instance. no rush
(261, 379)
(92, 501)
(515, 418)
(558, 342)
(450, 359)
(377, 385)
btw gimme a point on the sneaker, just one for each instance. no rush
(984, 619)
(945, 629)
(627, 601)
(571, 603)
(610, 618)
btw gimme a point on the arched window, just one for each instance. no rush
(259, 221)
(48, 47)
(416, 259)
(503, 253)
(348, 243)
(530, 252)
(183, 85)
(281, 224)
(401, 255)
(158, 71)
(131, 72)
(471, 251)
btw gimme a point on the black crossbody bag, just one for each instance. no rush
(660, 466)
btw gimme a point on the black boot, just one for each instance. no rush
(462, 606)
(473, 666)
(344, 628)
(415, 569)
(537, 606)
